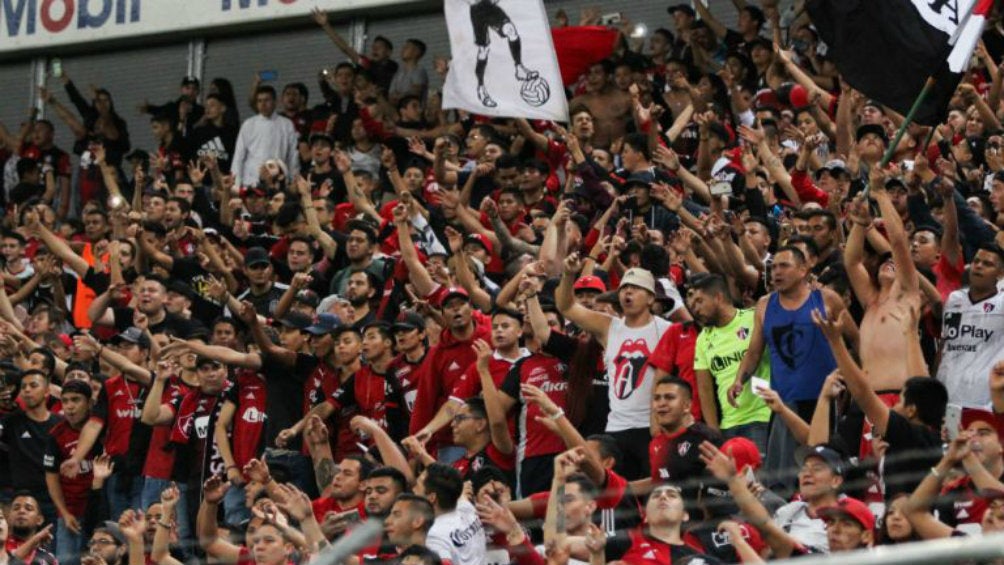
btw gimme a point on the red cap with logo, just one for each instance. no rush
(851, 508)
(589, 282)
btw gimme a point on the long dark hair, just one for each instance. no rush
(581, 373)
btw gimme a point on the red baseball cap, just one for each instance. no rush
(589, 282)
(451, 292)
(995, 421)
(744, 452)
(852, 508)
(482, 240)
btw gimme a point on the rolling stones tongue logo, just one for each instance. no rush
(629, 367)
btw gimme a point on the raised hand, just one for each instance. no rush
(214, 489)
(721, 466)
(133, 525)
(257, 471)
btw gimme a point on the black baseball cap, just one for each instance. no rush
(865, 129)
(133, 335)
(833, 459)
(256, 256)
(685, 8)
(296, 320)
(408, 320)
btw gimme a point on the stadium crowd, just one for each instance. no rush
(698, 323)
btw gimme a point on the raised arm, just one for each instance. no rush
(595, 323)
(854, 251)
(56, 245)
(723, 467)
(390, 454)
(496, 403)
(417, 272)
(854, 377)
(906, 271)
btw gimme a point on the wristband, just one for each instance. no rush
(937, 475)
(557, 415)
(233, 467)
(163, 525)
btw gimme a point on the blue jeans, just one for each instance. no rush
(151, 494)
(235, 511)
(756, 432)
(121, 499)
(68, 544)
(298, 465)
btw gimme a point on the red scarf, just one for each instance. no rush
(195, 402)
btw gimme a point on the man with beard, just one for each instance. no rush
(363, 287)
(448, 361)
(26, 520)
(383, 487)
(177, 212)
(263, 290)
(360, 245)
(107, 546)
(718, 352)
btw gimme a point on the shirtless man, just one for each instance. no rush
(888, 302)
(610, 106)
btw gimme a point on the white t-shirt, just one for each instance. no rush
(458, 536)
(629, 373)
(973, 337)
(811, 532)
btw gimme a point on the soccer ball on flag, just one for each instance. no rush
(535, 91)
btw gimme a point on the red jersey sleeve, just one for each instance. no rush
(539, 502)
(665, 351)
(612, 492)
(808, 191)
(425, 397)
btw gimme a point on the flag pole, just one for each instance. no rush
(928, 85)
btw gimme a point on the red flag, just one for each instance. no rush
(579, 47)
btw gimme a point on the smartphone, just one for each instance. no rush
(953, 420)
(757, 384)
(350, 516)
(56, 67)
(268, 75)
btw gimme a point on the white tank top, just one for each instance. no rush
(629, 373)
(973, 340)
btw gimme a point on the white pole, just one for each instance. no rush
(947, 550)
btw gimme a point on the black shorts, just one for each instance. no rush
(536, 474)
(486, 15)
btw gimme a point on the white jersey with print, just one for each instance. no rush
(629, 373)
(973, 340)
(458, 535)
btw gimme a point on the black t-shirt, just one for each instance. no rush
(676, 458)
(212, 140)
(26, 440)
(172, 324)
(189, 270)
(284, 394)
(913, 449)
(565, 347)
